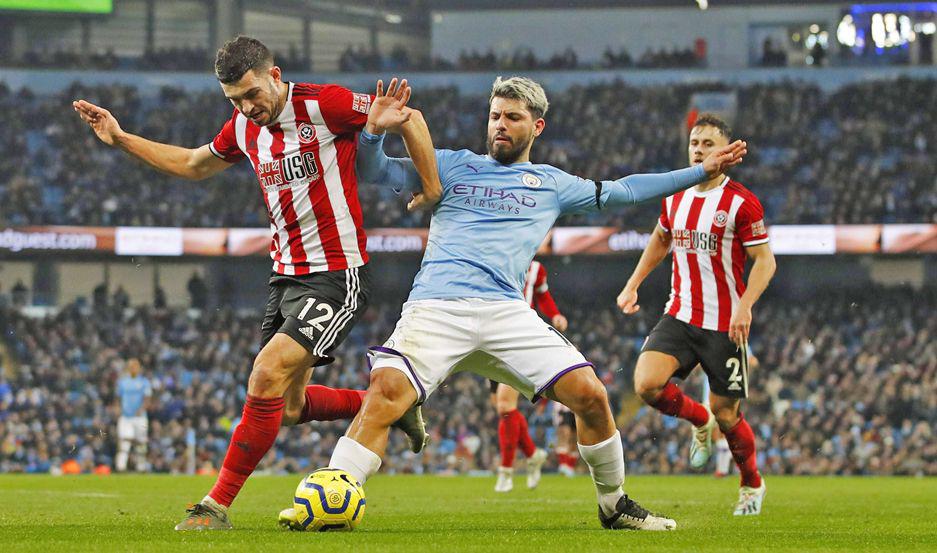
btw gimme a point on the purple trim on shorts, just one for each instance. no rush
(390, 351)
(559, 375)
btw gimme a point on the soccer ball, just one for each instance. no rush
(328, 499)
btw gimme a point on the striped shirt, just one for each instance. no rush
(305, 164)
(710, 231)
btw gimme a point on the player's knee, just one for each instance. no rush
(727, 416)
(647, 387)
(505, 406)
(389, 395)
(269, 376)
(590, 400)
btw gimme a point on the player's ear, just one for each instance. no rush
(276, 73)
(539, 125)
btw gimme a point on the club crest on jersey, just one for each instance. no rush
(531, 180)
(306, 133)
(361, 103)
(720, 218)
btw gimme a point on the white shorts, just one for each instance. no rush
(132, 428)
(501, 340)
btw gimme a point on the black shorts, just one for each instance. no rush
(725, 364)
(317, 310)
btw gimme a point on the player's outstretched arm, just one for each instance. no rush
(419, 143)
(655, 252)
(188, 163)
(763, 268)
(642, 187)
(389, 112)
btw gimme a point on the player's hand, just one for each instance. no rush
(388, 111)
(559, 322)
(421, 200)
(100, 120)
(628, 301)
(740, 324)
(717, 162)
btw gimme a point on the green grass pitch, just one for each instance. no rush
(428, 513)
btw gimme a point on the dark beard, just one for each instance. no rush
(507, 156)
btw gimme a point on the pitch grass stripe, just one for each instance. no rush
(352, 287)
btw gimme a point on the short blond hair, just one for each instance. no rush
(521, 88)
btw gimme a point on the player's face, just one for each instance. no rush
(704, 140)
(511, 130)
(256, 95)
(133, 367)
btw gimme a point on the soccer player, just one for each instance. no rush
(711, 228)
(301, 141)
(466, 309)
(133, 393)
(512, 425)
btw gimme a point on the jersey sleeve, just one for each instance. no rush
(344, 111)
(577, 195)
(664, 219)
(225, 144)
(147, 388)
(750, 223)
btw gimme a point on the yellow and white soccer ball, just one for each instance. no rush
(328, 499)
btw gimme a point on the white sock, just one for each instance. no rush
(123, 453)
(355, 459)
(207, 500)
(723, 457)
(606, 462)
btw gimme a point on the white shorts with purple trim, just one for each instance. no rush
(504, 340)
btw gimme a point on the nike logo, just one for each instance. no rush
(243, 446)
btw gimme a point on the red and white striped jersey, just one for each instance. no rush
(710, 231)
(536, 291)
(305, 163)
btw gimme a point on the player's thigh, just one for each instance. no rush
(506, 398)
(581, 391)
(125, 428)
(319, 312)
(529, 354)
(430, 339)
(141, 427)
(667, 352)
(725, 364)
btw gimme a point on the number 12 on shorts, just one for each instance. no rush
(325, 310)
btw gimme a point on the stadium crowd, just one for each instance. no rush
(815, 157)
(845, 386)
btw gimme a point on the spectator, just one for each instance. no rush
(198, 292)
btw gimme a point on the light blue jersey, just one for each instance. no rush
(132, 392)
(493, 217)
